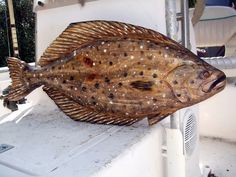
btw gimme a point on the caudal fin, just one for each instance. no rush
(20, 87)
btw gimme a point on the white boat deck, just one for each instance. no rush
(47, 143)
(219, 155)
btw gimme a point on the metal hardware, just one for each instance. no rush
(171, 22)
(5, 147)
(13, 28)
(185, 24)
(179, 16)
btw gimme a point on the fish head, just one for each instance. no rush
(213, 80)
(194, 82)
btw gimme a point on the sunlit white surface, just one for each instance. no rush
(219, 156)
(218, 114)
(16, 116)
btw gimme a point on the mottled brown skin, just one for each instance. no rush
(132, 77)
(129, 77)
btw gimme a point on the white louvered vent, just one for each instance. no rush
(190, 132)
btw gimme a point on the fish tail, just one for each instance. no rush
(20, 86)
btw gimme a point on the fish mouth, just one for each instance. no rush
(215, 85)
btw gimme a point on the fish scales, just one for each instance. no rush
(115, 69)
(118, 76)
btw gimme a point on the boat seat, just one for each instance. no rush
(217, 28)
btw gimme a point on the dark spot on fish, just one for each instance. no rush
(151, 45)
(120, 84)
(159, 52)
(125, 38)
(59, 67)
(64, 81)
(175, 82)
(161, 82)
(125, 74)
(91, 77)
(94, 103)
(53, 67)
(154, 75)
(149, 68)
(119, 46)
(142, 85)
(71, 78)
(71, 87)
(84, 89)
(88, 61)
(110, 63)
(111, 96)
(142, 52)
(192, 82)
(114, 54)
(96, 85)
(100, 62)
(107, 80)
(141, 73)
(139, 63)
(92, 97)
(178, 95)
(125, 54)
(149, 57)
(154, 100)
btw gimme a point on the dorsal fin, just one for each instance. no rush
(81, 113)
(78, 34)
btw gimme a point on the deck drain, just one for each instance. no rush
(5, 147)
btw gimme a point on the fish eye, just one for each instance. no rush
(204, 74)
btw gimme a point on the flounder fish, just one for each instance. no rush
(116, 73)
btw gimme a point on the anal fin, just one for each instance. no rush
(156, 118)
(79, 112)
